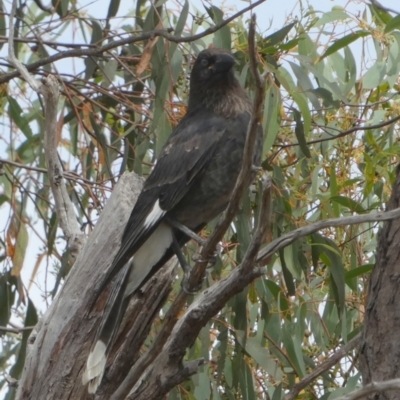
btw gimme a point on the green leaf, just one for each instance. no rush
(374, 76)
(364, 269)
(97, 32)
(381, 17)
(330, 255)
(349, 203)
(109, 70)
(3, 28)
(203, 388)
(343, 42)
(51, 233)
(261, 355)
(393, 24)
(271, 118)
(299, 131)
(21, 244)
(6, 300)
(61, 7)
(18, 117)
(331, 16)
(31, 320)
(180, 25)
(113, 8)
(278, 36)
(222, 38)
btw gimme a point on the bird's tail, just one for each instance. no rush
(110, 321)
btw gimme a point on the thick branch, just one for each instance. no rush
(92, 52)
(373, 387)
(50, 91)
(65, 210)
(330, 362)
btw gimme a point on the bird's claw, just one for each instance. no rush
(212, 259)
(186, 287)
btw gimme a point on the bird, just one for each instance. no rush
(190, 185)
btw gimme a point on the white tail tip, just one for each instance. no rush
(95, 366)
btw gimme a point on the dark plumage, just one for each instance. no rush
(191, 182)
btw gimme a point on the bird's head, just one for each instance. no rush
(211, 66)
(213, 85)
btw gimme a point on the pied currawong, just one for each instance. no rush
(191, 183)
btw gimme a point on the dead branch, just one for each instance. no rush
(50, 91)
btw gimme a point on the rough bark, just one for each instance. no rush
(60, 343)
(380, 346)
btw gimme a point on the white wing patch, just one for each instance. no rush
(95, 366)
(148, 255)
(155, 214)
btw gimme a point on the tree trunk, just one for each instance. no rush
(380, 346)
(60, 343)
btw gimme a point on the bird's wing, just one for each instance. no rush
(182, 159)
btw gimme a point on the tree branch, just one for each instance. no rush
(330, 362)
(50, 91)
(343, 133)
(91, 52)
(373, 387)
(16, 330)
(289, 238)
(70, 175)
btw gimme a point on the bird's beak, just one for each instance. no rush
(224, 62)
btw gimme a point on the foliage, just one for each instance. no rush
(331, 143)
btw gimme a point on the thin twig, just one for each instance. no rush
(35, 85)
(70, 175)
(15, 330)
(131, 39)
(330, 362)
(343, 133)
(373, 387)
(289, 238)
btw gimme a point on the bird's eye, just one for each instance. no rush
(204, 62)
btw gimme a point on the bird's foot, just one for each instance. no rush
(186, 286)
(211, 260)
